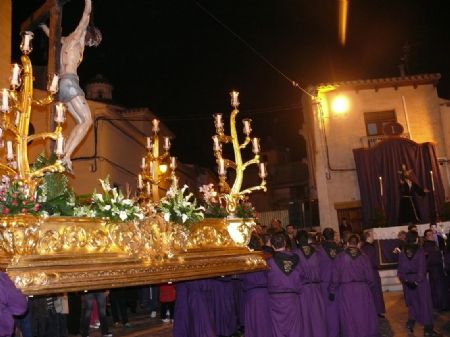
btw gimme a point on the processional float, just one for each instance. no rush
(46, 254)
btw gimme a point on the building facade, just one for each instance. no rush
(340, 117)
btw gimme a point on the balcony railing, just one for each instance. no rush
(369, 141)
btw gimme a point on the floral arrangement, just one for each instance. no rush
(245, 209)
(15, 199)
(111, 203)
(180, 208)
(215, 206)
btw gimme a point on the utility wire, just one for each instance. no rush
(248, 45)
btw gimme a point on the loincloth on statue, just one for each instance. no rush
(69, 87)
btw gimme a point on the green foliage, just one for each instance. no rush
(54, 194)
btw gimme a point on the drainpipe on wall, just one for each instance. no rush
(406, 116)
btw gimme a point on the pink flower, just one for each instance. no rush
(24, 202)
(24, 211)
(14, 195)
(14, 203)
(5, 211)
(36, 207)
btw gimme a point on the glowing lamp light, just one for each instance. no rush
(163, 168)
(340, 104)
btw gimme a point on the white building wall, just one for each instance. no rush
(338, 135)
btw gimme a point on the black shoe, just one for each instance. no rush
(410, 327)
(432, 333)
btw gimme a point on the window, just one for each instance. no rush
(375, 121)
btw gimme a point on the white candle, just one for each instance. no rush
(25, 46)
(432, 181)
(155, 127)
(15, 72)
(173, 163)
(221, 167)
(255, 142)
(59, 145)
(234, 99)
(17, 118)
(149, 143)
(247, 127)
(143, 163)
(262, 170)
(166, 143)
(1, 132)
(149, 190)
(9, 150)
(60, 113)
(151, 168)
(53, 84)
(5, 100)
(218, 121)
(216, 143)
(381, 185)
(140, 182)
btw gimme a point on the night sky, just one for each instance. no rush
(173, 57)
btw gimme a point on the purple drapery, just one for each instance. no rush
(385, 160)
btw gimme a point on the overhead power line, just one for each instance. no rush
(253, 49)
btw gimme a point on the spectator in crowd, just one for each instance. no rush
(167, 301)
(100, 298)
(291, 233)
(345, 227)
(119, 308)
(438, 236)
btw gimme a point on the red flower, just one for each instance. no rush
(36, 207)
(14, 203)
(5, 211)
(24, 211)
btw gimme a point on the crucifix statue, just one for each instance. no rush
(70, 57)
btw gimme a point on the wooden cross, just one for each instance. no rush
(52, 9)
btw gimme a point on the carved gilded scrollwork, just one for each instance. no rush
(48, 255)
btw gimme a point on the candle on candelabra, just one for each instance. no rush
(9, 150)
(149, 143)
(381, 185)
(222, 170)
(155, 124)
(59, 151)
(149, 188)
(218, 123)
(16, 121)
(262, 170)
(166, 145)
(60, 113)
(255, 143)
(53, 84)
(25, 45)
(140, 182)
(234, 99)
(15, 72)
(216, 143)
(173, 163)
(432, 181)
(247, 127)
(143, 163)
(151, 168)
(5, 100)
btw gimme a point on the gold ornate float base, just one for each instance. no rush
(63, 254)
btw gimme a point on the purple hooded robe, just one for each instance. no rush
(12, 303)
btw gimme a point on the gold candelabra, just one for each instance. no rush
(16, 107)
(155, 167)
(234, 194)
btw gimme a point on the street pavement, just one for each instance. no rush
(391, 326)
